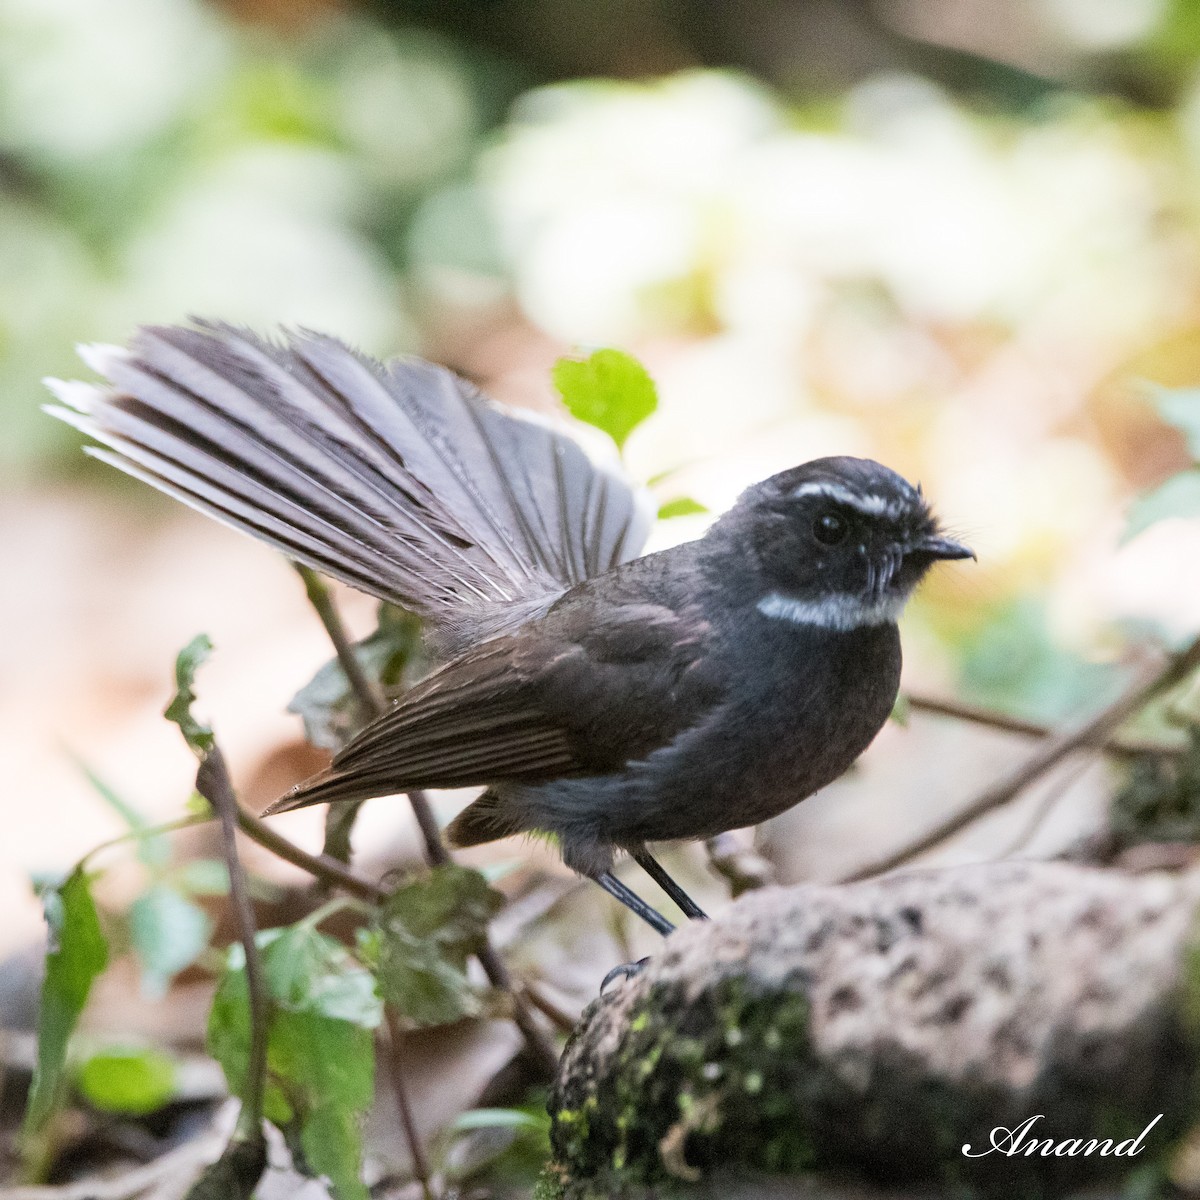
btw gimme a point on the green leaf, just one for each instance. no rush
(320, 1051)
(1181, 407)
(332, 1138)
(685, 506)
(901, 710)
(426, 932)
(189, 660)
(499, 1118)
(78, 952)
(1179, 496)
(168, 932)
(136, 1081)
(306, 971)
(392, 655)
(610, 389)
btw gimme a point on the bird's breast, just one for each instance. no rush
(798, 711)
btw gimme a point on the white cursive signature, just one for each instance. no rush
(1012, 1141)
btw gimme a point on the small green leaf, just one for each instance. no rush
(199, 737)
(610, 389)
(78, 952)
(306, 971)
(901, 710)
(168, 933)
(1181, 407)
(1179, 496)
(426, 932)
(136, 1081)
(685, 506)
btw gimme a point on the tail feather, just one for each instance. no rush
(483, 820)
(403, 480)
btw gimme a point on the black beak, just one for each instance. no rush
(940, 547)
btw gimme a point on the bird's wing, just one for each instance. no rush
(537, 705)
(401, 480)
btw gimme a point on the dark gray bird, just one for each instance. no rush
(609, 700)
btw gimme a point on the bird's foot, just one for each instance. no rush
(624, 971)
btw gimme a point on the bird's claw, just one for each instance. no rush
(623, 971)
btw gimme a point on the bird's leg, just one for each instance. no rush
(632, 901)
(654, 869)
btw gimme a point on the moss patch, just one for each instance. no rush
(680, 1098)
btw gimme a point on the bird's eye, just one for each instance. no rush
(829, 528)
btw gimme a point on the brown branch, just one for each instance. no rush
(1051, 752)
(329, 870)
(559, 1018)
(961, 710)
(213, 783)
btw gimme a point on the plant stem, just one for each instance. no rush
(561, 1020)
(961, 710)
(137, 835)
(1053, 750)
(321, 599)
(322, 867)
(403, 1105)
(213, 783)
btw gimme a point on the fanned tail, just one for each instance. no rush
(400, 480)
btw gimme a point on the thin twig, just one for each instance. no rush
(960, 710)
(436, 853)
(1045, 807)
(213, 783)
(328, 870)
(420, 1162)
(558, 1017)
(538, 1044)
(1052, 751)
(137, 835)
(321, 599)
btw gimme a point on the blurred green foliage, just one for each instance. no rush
(1159, 800)
(129, 1080)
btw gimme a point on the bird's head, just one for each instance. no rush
(837, 543)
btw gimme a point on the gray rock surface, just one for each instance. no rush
(879, 1028)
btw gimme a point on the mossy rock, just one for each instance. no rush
(875, 1030)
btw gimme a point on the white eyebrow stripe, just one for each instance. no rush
(838, 610)
(868, 502)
